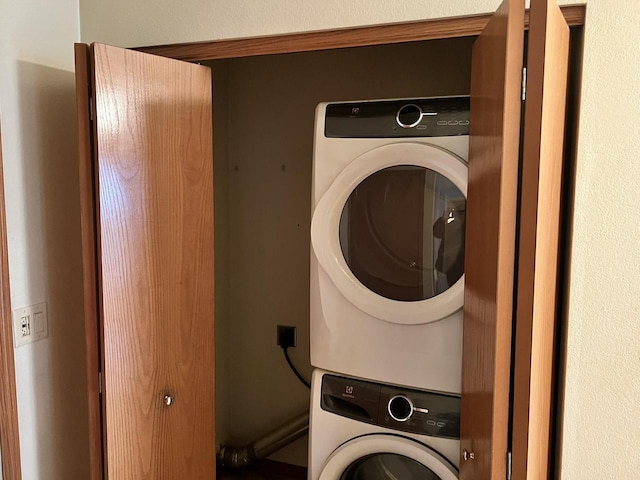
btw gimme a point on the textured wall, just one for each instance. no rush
(601, 425)
(601, 420)
(153, 22)
(37, 106)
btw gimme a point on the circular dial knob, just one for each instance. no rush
(400, 408)
(409, 115)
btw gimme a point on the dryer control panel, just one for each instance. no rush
(398, 408)
(419, 117)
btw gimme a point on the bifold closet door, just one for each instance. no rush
(539, 240)
(10, 467)
(488, 431)
(148, 228)
(496, 75)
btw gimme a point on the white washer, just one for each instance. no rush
(387, 234)
(354, 436)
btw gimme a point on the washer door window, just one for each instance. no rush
(386, 457)
(387, 466)
(389, 232)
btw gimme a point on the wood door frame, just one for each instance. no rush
(88, 226)
(9, 435)
(382, 34)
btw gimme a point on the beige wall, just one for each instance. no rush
(601, 419)
(601, 426)
(266, 200)
(37, 108)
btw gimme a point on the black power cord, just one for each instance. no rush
(294, 369)
(286, 339)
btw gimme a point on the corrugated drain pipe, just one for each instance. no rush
(234, 457)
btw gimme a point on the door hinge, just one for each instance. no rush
(508, 465)
(100, 383)
(91, 109)
(524, 83)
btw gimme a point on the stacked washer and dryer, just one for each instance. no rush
(387, 287)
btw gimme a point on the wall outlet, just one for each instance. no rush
(30, 324)
(287, 336)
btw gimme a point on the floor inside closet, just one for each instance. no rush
(265, 470)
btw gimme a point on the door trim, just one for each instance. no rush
(341, 38)
(89, 256)
(9, 436)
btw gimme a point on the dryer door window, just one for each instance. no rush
(389, 232)
(387, 466)
(402, 233)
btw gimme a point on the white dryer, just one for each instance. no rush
(387, 233)
(366, 430)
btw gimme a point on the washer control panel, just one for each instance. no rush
(420, 117)
(398, 408)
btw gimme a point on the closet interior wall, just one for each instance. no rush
(263, 125)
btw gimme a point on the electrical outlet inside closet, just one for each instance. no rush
(263, 125)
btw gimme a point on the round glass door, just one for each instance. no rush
(389, 232)
(387, 457)
(402, 233)
(387, 466)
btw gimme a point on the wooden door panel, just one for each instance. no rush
(490, 240)
(10, 467)
(539, 243)
(155, 219)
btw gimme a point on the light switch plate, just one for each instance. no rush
(30, 324)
